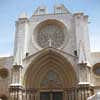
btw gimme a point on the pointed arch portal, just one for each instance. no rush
(50, 70)
(50, 74)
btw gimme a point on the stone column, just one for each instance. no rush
(16, 87)
(85, 90)
(26, 41)
(16, 74)
(16, 92)
(84, 73)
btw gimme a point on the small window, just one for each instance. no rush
(75, 52)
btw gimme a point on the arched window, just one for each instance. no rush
(96, 69)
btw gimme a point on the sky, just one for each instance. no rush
(11, 9)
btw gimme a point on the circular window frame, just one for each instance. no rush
(43, 23)
(4, 73)
(96, 66)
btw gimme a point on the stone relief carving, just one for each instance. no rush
(50, 36)
(51, 80)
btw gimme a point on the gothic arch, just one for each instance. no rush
(43, 63)
(50, 21)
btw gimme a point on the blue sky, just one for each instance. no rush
(10, 10)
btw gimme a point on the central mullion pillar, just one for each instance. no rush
(51, 95)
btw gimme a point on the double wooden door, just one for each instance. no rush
(51, 96)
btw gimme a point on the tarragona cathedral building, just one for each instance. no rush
(52, 58)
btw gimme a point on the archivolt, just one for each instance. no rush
(45, 62)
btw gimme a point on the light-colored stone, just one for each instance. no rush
(71, 60)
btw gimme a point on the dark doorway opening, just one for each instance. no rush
(51, 96)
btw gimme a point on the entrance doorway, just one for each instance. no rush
(51, 95)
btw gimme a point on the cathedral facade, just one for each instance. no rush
(52, 58)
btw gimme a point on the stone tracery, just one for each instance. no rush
(50, 32)
(52, 80)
